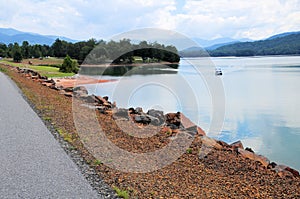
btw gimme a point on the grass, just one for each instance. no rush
(189, 151)
(47, 68)
(97, 162)
(3, 70)
(66, 136)
(121, 193)
(47, 119)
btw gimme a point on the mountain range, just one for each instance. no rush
(287, 43)
(10, 35)
(283, 43)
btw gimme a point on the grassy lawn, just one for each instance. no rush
(45, 67)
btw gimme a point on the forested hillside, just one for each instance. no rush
(285, 45)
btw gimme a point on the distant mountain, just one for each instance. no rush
(9, 35)
(208, 45)
(282, 44)
(220, 41)
(282, 35)
(9, 31)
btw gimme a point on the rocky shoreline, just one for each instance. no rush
(170, 125)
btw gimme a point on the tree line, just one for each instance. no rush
(122, 51)
(287, 45)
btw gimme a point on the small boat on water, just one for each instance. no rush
(218, 71)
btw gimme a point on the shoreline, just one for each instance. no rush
(132, 64)
(245, 158)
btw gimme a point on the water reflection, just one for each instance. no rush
(129, 70)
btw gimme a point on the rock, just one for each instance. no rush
(80, 91)
(132, 111)
(284, 171)
(285, 174)
(121, 112)
(35, 77)
(249, 149)
(190, 126)
(139, 110)
(101, 100)
(159, 115)
(68, 94)
(223, 144)
(154, 121)
(105, 98)
(68, 89)
(52, 86)
(49, 81)
(107, 104)
(173, 119)
(91, 99)
(272, 165)
(142, 119)
(293, 171)
(263, 160)
(47, 84)
(210, 143)
(252, 156)
(279, 167)
(196, 130)
(102, 109)
(237, 144)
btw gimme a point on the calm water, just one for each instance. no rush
(261, 99)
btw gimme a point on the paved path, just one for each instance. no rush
(32, 163)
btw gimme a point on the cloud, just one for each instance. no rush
(235, 18)
(82, 19)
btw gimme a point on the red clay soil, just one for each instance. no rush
(222, 173)
(71, 82)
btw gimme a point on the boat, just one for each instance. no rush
(218, 71)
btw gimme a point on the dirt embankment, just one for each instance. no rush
(208, 169)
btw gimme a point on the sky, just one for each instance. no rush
(102, 19)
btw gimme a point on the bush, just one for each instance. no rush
(69, 65)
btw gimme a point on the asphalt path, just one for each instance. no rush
(32, 163)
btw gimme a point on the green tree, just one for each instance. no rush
(60, 48)
(3, 49)
(69, 65)
(16, 52)
(25, 49)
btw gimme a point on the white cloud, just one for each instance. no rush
(82, 19)
(235, 18)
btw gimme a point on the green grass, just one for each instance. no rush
(189, 151)
(121, 193)
(3, 70)
(97, 162)
(48, 71)
(47, 119)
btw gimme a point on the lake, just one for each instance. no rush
(256, 100)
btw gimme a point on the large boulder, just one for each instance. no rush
(173, 120)
(80, 91)
(252, 156)
(208, 142)
(159, 115)
(190, 126)
(143, 119)
(237, 144)
(121, 112)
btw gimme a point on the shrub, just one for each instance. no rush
(69, 65)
